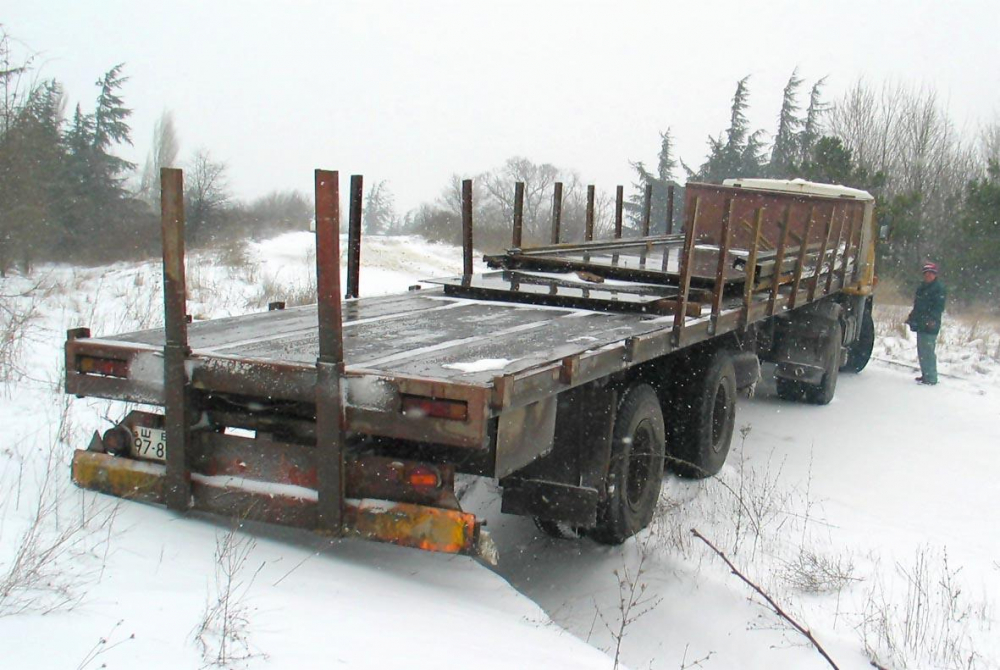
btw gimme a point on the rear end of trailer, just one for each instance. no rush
(570, 373)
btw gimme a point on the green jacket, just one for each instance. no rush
(928, 305)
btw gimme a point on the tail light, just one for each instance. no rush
(424, 477)
(418, 406)
(109, 367)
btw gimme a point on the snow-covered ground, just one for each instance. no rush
(870, 521)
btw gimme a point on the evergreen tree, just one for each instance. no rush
(812, 126)
(736, 153)
(970, 263)
(666, 166)
(109, 130)
(785, 152)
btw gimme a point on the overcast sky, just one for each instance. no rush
(414, 91)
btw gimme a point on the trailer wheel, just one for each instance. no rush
(636, 469)
(860, 352)
(560, 530)
(704, 417)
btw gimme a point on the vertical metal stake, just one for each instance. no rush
(619, 206)
(647, 208)
(670, 209)
(589, 230)
(354, 237)
(556, 211)
(177, 401)
(518, 214)
(467, 228)
(330, 364)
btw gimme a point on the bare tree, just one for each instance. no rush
(206, 196)
(162, 154)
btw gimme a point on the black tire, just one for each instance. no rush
(559, 530)
(703, 415)
(860, 352)
(822, 393)
(636, 468)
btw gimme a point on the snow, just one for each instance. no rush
(481, 365)
(890, 486)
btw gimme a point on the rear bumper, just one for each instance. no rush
(405, 524)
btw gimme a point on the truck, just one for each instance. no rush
(572, 373)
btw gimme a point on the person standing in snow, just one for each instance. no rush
(925, 321)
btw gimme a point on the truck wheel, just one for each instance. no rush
(636, 469)
(861, 350)
(560, 530)
(703, 420)
(822, 393)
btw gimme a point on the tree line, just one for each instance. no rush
(66, 194)
(937, 189)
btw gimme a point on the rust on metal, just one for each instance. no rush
(779, 259)
(619, 206)
(557, 193)
(821, 258)
(588, 234)
(518, 214)
(354, 237)
(801, 261)
(330, 364)
(720, 274)
(467, 227)
(751, 267)
(177, 400)
(848, 246)
(685, 279)
(647, 209)
(670, 210)
(830, 271)
(404, 524)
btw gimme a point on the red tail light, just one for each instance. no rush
(424, 477)
(109, 367)
(454, 410)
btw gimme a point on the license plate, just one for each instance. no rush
(150, 443)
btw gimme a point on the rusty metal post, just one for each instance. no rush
(687, 258)
(831, 267)
(177, 401)
(800, 263)
(619, 206)
(779, 260)
(670, 210)
(330, 364)
(821, 259)
(588, 234)
(848, 245)
(720, 271)
(354, 237)
(556, 211)
(467, 228)
(748, 287)
(518, 214)
(647, 209)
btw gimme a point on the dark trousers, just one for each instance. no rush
(926, 343)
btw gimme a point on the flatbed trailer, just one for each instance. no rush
(570, 373)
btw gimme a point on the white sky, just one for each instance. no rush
(415, 91)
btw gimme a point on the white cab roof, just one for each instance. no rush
(801, 186)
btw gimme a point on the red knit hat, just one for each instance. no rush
(930, 267)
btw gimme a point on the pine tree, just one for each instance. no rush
(785, 152)
(110, 129)
(812, 127)
(666, 166)
(736, 153)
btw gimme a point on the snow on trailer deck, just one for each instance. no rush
(425, 334)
